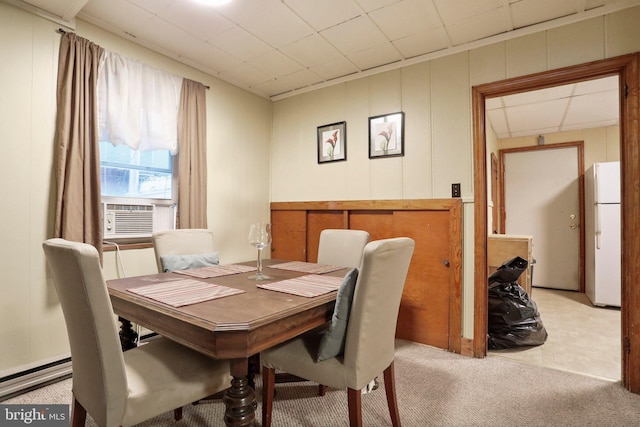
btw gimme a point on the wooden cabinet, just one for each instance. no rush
(503, 247)
(430, 310)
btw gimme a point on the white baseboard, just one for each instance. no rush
(32, 379)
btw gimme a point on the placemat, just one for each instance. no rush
(178, 293)
(216, 271)
(306, 267)
(311, 285)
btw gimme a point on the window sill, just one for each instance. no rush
(108, 247)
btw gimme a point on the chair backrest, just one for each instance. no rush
(370, 340)
(342, 247)
(186, 241)
(99, 380)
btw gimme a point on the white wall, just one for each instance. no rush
(436, 99)
(600, 144)
(32, 328)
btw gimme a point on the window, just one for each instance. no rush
(125, 172)
(138, 192)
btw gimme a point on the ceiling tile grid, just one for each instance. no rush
(275, 48)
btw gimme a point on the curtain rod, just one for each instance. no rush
(63, 32)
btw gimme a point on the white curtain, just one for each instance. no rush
(138, 104)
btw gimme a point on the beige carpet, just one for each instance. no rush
(435, 388)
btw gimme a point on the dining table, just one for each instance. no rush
(229, 316)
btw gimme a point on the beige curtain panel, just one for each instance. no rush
(78, 215)
(192, 157)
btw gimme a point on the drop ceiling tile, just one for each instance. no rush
(536, 96)
(479, 26)
(215, 59)
(598, 85)
(354, 36)
(530, 12)
(195, 18)
(275, 64)
(454, 12)
(547, 114)
(493, 103)
(169, 38)
(406, 18)
(581, 108)
(300, 79)
(369, 5)
(247, 75)
(287, 29)
(334, 68)
(498, 122)
(422, 43)
(588, 125)
(152, 6)
(326, 13)
(312, 50)
(239, 43)
(118, 15)
(375, 56)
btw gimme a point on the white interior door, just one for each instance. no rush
(542, 200)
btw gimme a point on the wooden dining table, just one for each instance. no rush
(234, 327)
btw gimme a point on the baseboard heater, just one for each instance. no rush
(22, 382)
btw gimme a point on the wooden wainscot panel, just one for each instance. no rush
(318, 221)
(289, 235)
(431, 306)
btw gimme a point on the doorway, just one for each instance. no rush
(626, 67)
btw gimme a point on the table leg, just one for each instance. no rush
(240, 398)
(128, 337)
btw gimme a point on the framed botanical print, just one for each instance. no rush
(386, 135)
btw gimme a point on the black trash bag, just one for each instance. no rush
(514, 320)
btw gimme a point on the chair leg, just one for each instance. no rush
(390, 388)
(78, 414)
(355, 407)
(177, 414)
(322, 390)
(268, 386)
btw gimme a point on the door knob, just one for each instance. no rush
(573, 226)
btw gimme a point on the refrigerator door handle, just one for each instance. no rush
(597, 224)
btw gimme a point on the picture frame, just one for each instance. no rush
(332, 142)
(386, 135)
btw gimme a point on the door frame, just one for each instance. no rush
(626, 67)
(579, 145)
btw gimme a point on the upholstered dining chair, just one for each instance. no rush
(369, 340)
(342, 247)
(182, 249)
(116, 388)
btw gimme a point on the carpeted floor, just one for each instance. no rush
(435, 388)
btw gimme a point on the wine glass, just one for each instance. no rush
(260, 237)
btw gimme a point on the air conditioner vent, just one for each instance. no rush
(121, 220)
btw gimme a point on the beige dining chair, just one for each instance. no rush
(116, 388)
(184, 248)
(369, 344)
(342, 247)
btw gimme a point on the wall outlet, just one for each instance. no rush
(455, 190)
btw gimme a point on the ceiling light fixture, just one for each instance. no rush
(214, 3)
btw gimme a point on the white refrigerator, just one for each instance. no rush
(602, 234)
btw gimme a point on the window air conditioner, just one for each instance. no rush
(128, 220)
